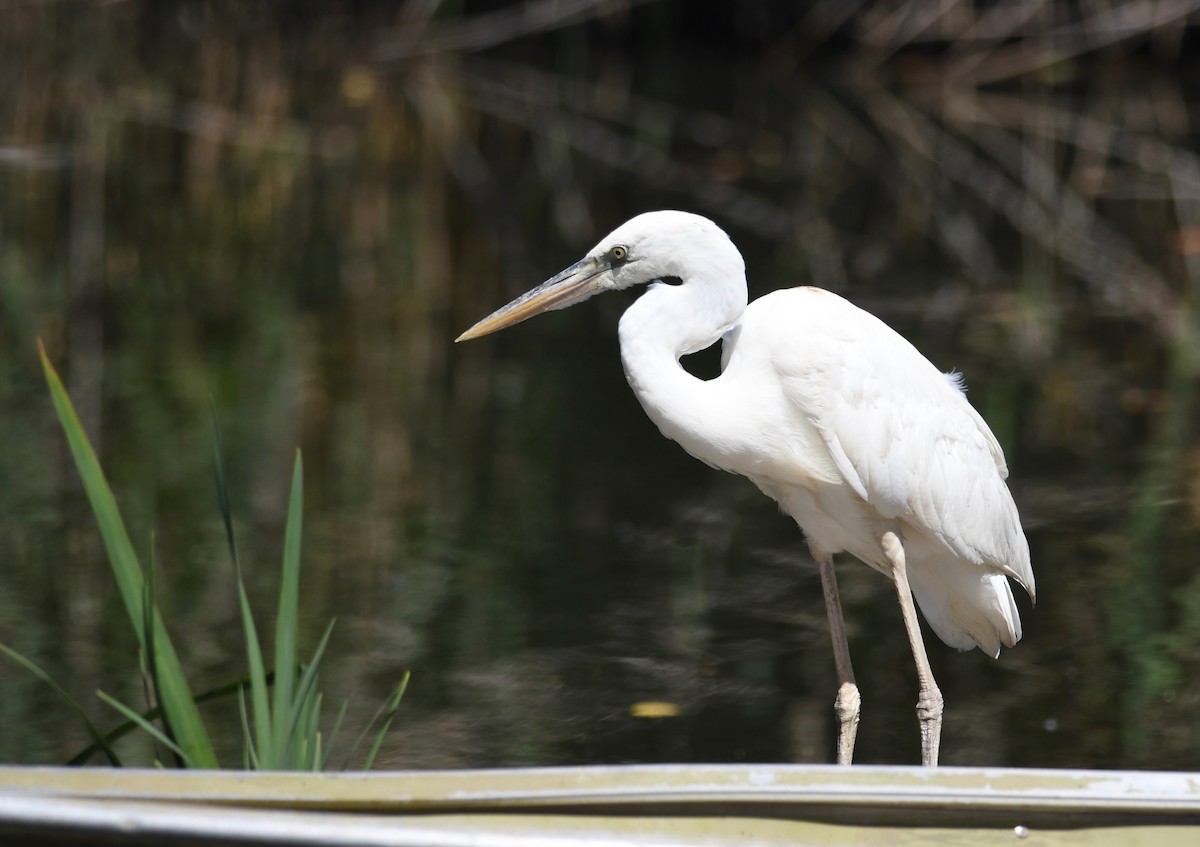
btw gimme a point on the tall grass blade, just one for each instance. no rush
(125, 727)
(304, 692)
(223, 491)
(101, 742)
(303, 739)
(333, 734)
(393, 706)
(146, 637)
(262, 746)
(147, 727)
(259, 680)
(286, 621)
(249, 754)
(150, 685)
(178, 705)
(313, 734)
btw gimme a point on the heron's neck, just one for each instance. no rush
(663, 325)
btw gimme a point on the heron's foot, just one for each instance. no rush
(847, 706)
(929, 713)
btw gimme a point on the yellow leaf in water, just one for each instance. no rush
(358, 86)
(654, 709)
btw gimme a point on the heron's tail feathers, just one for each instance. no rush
(967, 604)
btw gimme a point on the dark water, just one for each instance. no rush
(296, 217)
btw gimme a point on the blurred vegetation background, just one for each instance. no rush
(293, 208)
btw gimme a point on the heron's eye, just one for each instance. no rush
(618, 253)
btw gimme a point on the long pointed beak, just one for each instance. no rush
(571, 286)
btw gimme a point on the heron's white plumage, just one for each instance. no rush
(835, 416)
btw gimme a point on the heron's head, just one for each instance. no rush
(654, 246)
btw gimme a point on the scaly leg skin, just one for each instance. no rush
(847, 704)
(929, 702)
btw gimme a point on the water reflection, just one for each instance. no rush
(297, 222)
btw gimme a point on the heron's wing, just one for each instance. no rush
(900, 432)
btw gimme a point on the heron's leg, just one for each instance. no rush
(847, 703)
(929, 701)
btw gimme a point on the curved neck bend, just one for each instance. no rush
(665, 324)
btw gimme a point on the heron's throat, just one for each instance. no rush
(663, 325)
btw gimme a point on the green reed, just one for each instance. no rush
(281, 721)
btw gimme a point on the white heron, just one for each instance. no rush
(832, 414)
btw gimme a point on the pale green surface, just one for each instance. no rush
(793, 786)
(484, 830)
(706, 805)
